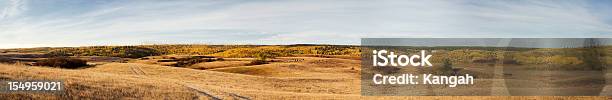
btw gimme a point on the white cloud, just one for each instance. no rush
(13, 8)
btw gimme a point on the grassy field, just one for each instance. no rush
(296, 80)
(289, 72)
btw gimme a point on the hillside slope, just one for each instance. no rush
(312, 78)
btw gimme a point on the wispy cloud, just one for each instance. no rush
(76, 22)
(13, 8)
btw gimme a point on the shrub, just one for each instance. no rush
(182, 62)
(446, 68)
(6, 60)
(262, 57)
(265, 55)
(258, 62)
(58, 53)
(62, 62)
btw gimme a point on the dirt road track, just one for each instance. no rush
(201, 92)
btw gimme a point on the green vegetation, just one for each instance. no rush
(111, 51)
(446, 68)
(262, 57)
(183, 62)
(239, 51)
(62, 62)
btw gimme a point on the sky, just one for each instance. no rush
(55, 23)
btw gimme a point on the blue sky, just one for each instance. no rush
(43, 23)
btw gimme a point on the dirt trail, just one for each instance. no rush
(137, 70)
(239, 97)
(201, 92)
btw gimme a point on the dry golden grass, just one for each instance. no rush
(219, 64)
(310, 78)
(82, 84)
(310, 67)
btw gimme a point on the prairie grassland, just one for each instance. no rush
(81, 84)
(296, 72)
(311, 78)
